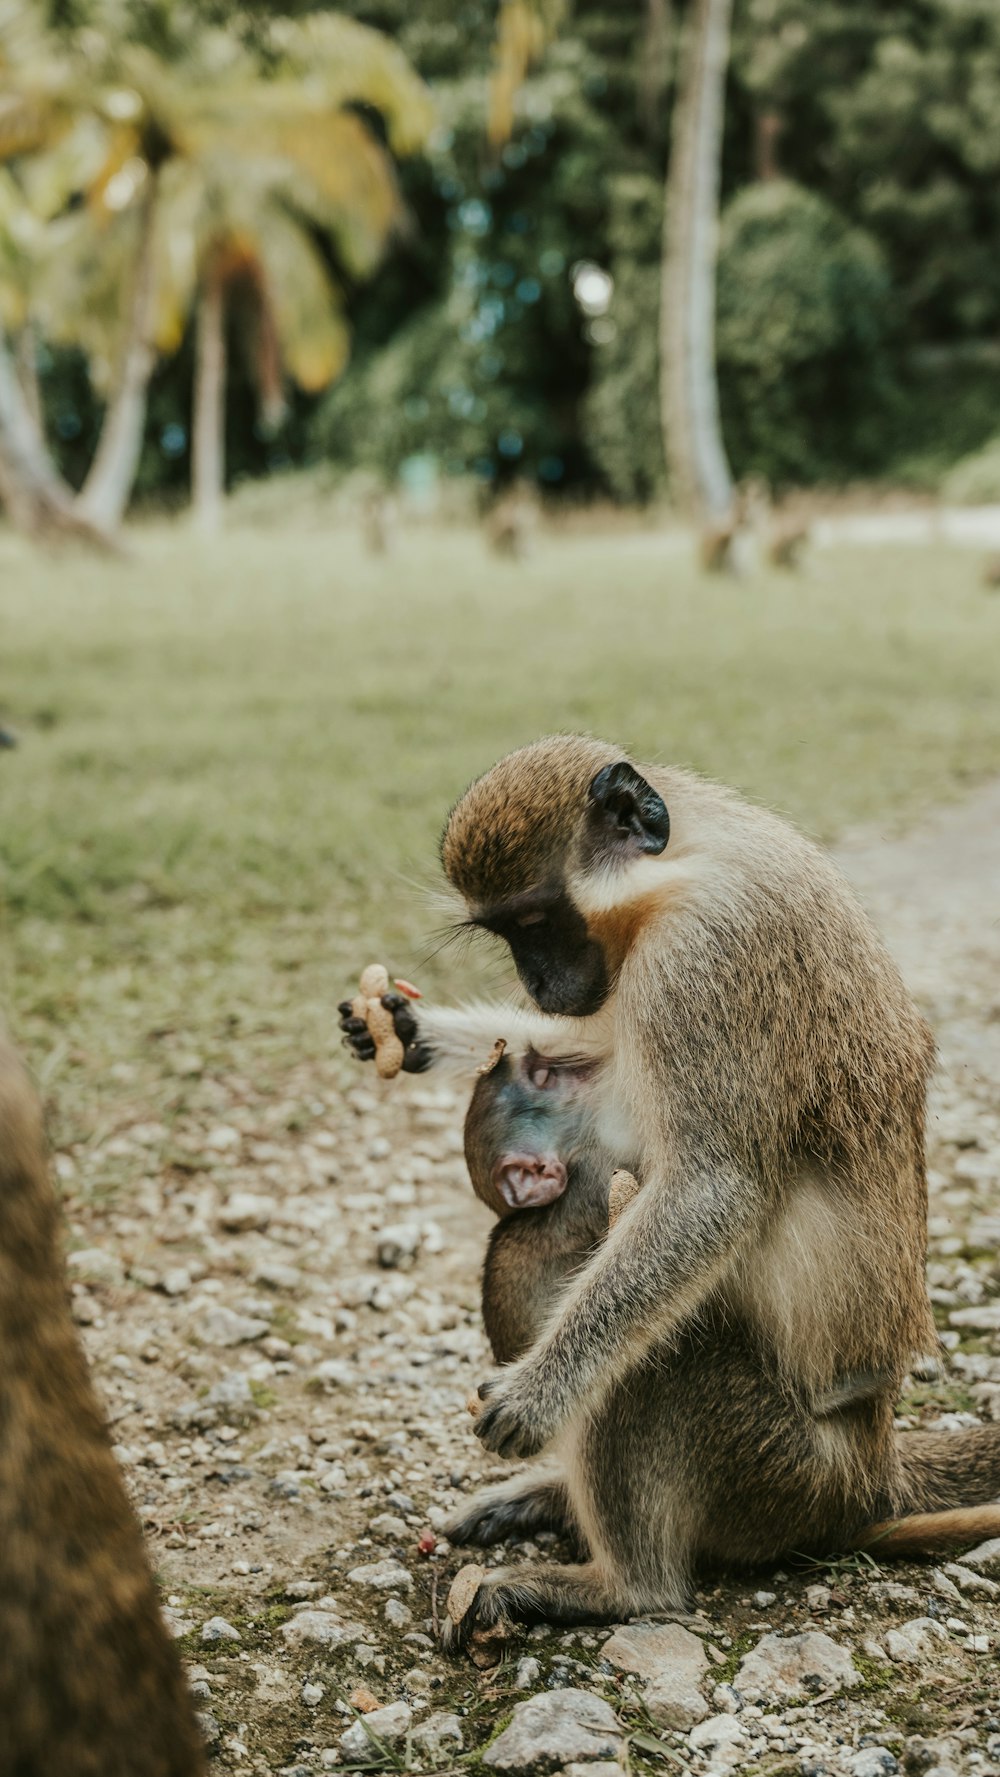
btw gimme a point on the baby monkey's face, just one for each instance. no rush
(522, 1123)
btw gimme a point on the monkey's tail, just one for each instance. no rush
(949, 1495)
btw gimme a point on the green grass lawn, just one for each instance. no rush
(236, 759)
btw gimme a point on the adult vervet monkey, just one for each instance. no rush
(90, 1681)
(717, 1383)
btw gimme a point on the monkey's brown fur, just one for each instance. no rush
(756, 1061)
(735, 1430)
(90, 1683)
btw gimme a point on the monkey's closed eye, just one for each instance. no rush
(537, 918)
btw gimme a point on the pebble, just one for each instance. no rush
(176, 1281)
(783, 1667)
(245, 1211)
(397, 1247)
(438, 1736)
(722, 1738)
(872, 1761)
(984, 1558)
(671, 1660)
(217, 1629)
(382, 1576)
(318, 1628)
(223, 1326)
(554, 1729)
(93, 1264)
(984, 1317)
(389, 1725)
(919, 1639)
(529, 1671)
(397, 1614)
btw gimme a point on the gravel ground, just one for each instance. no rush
(280, 1304)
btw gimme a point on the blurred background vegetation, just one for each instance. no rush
(349, 262)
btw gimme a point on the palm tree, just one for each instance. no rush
(215, 182)
(249, 210)
(695, 452)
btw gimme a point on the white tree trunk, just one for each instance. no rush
(105, 493)
(208, 429)
(36, 499)
(696, 456)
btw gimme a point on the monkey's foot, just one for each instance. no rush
(529, 1595)
(519, 1508)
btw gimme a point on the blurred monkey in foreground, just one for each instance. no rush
(90, 1682)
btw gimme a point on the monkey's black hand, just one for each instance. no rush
(517, 1419)
(357, 1037)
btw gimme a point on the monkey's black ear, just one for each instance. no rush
(626, 805)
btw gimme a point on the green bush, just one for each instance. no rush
(803, 338)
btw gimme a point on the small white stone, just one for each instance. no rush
(313, 1694)
(793, 1666)
(217, 1629)
(245, 1211)
(919, 1639)
(93, 1264)
(222, 1326)
(671, 1660)
(382, 1576)
(388, 1725)
(721, 1737)
(984, 1558)
(528, 1673)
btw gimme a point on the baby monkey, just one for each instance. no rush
(529, 1163)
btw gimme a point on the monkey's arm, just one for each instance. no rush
(665, 1255)
(458, 1039)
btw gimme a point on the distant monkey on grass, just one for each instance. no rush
(715, 1384)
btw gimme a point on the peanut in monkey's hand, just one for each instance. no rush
(624, 1187)
(379, 1026)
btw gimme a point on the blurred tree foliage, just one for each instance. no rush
(859, 286)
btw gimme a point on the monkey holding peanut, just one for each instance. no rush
(713, 1383)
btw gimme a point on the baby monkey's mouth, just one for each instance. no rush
(527, 1181)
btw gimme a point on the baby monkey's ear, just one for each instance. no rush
(626, 807)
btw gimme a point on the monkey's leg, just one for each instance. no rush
(535, 1500)
(542, 1594)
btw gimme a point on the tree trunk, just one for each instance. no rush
(208, 439)
(27, 375)
(695, 453)
(106, 491)
(654, 65)
(36, 500)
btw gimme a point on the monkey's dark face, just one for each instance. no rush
(559, 964)
(563, 811)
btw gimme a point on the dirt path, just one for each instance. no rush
(282, 1313)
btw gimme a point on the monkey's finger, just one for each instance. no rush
(417, 1057)
(362, 1047)
(345, 1008)
(404, 1022)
